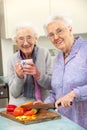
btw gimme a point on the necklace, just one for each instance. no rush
(68, 53)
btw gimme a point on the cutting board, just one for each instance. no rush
(43, 115)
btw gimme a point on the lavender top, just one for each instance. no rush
(72, 76)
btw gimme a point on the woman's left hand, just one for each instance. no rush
(65, 100)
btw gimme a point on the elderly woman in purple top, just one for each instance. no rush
(29, 80)
(69, 77)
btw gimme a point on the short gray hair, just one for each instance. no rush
(66, 19)
(24, 25)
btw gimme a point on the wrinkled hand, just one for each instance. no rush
(19, 70)
(65, 100)
(31, 69)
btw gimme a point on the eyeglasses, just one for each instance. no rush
(58, 33)
(23, 39)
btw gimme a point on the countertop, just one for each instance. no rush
(58, 124)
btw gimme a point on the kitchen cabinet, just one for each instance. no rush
(76, 9)
(37, 11)
(17, 11)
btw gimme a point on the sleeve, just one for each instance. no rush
(50, 98)
(45, 67)
(81, 93)
(15, 83)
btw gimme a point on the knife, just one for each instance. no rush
(40, 105)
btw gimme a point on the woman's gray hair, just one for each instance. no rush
(24, 25)
(66, 19)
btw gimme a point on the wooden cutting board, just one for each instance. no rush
(43, 115)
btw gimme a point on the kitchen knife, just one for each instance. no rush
(40, 105)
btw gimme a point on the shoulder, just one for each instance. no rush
(83, 45)
(43, 51)
(82, 42)
(43, 55)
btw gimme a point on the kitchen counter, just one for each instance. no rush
(58, 124)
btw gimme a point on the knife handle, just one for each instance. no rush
(60, 104)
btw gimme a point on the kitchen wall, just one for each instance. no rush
(1, 68)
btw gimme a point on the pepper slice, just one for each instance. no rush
(18, 111)
(10, 108)
(33, 111)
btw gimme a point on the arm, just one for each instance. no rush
(44, 66)
(41, 70)
(66, 100)
(77, 94)
(15, 82)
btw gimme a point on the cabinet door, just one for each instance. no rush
(17, 11)
(76, 9)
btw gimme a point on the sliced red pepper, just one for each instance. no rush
(10, 108)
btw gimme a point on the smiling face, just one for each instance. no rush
(26, 39)
(60, 35)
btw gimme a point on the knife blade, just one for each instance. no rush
(40, 105)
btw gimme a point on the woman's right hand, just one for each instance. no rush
(19, 70)
(66, 100)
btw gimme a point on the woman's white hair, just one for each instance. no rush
(24, 25)
(66, 19)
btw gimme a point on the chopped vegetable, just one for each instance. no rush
(10, 108)
(18, 111)
(33, 111)
(24, 118)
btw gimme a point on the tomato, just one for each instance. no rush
(18, 111)
(10, 108)
(31, 112)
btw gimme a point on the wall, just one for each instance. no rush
(29, 10)
(1, 68)
(7, 51)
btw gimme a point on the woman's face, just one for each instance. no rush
(60, 35)
(26, 40)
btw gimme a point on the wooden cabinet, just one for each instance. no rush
(76, 9)
(17, 11)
